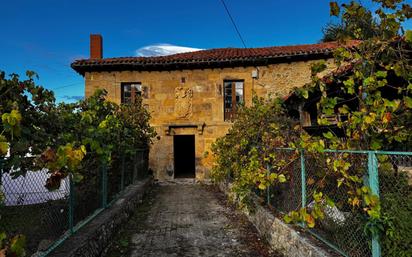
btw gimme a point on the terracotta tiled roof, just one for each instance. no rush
(213, 58)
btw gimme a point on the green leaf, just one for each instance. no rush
(4, 147)
(381, 74)
(330, 202)
(16, 115)
(305, 93)
(328, 135)
(367, 200)
(376, 144)
(408, 102)
(318, 67)
(409, 87)
(262, 186)
(287, 219)
(408, 36)
(282, 178)
(273, 176)
(17, 245)
(3, 236)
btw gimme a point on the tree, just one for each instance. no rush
(67, 139)
(379, 78)
(377, 75)
(356, 22)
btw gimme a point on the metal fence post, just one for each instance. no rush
(268, 188)
(71, 204)
(104, 184)
(122, 173)
(303, 177)
(373, 180)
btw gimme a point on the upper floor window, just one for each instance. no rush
(233, 97)
(130, 91)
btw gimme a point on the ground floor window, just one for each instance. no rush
(233, 98)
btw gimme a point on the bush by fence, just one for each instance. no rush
(344, 227)
(66, 159)
(49, 222)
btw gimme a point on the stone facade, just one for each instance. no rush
(190, 102)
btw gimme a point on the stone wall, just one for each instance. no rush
(194, 98)
(282, 238)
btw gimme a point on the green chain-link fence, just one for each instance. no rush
(388, 174)
(47, 218)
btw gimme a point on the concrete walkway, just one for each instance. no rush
(188, 220)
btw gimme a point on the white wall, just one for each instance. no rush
(30, 189)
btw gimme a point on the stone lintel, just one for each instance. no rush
(199, 127)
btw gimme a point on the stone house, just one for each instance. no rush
(192, 97)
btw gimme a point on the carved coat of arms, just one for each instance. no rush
(183, 102)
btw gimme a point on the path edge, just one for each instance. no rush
(282, 238)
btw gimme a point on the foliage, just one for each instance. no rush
(379, 82)
(370, 93)
(37, 133)
(13, 247)
(247, 150)
(59, 136)
(24, 108)
(396, 201)
(356, 23)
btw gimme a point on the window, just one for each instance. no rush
(233, 97)
(130, 91)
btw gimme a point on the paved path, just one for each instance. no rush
(189, 220)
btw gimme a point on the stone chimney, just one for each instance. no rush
(96, 46)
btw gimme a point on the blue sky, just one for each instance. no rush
(47, 35)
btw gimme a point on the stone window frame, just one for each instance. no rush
(136, 89)
(230, 114)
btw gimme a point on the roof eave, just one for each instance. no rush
(241, 62)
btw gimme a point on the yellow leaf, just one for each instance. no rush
(310, 221)
(262, 186)
(83, 148)
(311, 181)
(340, 181)
(4, 147)
(16, 115)
(282, 178)
(355, 201)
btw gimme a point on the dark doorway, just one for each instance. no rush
(184, 155)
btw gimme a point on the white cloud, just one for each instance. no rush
(163, 49)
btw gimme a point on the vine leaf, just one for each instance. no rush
(282, 178)
(334, 9)
(408, 36)
(408, 102)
